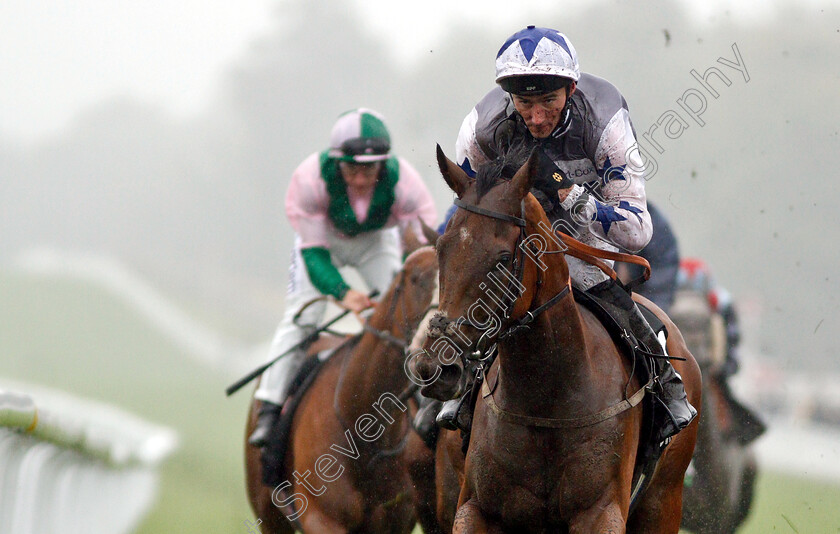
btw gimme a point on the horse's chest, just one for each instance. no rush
(542, 477)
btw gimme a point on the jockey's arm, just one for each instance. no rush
(306, 205)
(621, 217)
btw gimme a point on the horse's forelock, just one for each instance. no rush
(501, 169)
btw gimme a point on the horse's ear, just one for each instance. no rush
(455, 177)
(430, 234)
(523, 180)
(410, 241)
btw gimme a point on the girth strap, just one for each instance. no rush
(546, 422)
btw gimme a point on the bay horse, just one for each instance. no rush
(720, 493)
(344, 462)
(554, 437)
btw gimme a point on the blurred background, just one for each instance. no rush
(145, 151)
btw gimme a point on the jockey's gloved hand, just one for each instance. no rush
(355, 301)
(549, 177)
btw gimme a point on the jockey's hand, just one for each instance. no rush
(563, 193)
(355, 301)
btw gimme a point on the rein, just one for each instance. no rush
(578, 250)
(519, 271)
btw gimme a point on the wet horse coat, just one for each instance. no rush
(524, 477)
(345, 463)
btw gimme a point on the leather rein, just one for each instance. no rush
(573, 248)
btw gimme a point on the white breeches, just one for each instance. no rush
(377, 258)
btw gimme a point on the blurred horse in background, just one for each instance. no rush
(721, 480)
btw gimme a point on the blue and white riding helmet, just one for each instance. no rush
(536, 61)
(360, 136)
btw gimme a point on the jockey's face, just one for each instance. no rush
(360, 177)
(542, 112)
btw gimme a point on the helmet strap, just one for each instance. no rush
(565, 116)
(565, 122)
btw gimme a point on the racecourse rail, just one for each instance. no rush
(69, 465)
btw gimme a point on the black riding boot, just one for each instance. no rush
(668, 385)
(424, 421)
(267, 418)
(454, 415)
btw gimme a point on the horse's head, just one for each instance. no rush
(487, 276)
(411, 294)
(702, 329)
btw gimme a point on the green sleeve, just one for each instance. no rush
(323, 274)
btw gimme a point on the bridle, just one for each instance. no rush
(478, 348)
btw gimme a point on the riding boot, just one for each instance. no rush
(267, 418)
(674, 400)
(668, 388)
(453, 416)
(424, 421)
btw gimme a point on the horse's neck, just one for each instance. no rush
(543, 366)
(372, 378)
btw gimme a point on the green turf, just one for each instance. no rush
(786, 504)
(78, 338)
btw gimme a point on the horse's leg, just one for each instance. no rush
(421, 468)
(470, 520)
(745, 493)
(660, 510)
(449, 470)
(314, 521)
(603, 518)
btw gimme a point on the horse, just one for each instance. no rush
(554, 437)
(344, 462)
(720, 492)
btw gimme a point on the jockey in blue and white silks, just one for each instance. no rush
(593, 144)
(590, 179)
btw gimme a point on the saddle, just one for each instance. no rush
(274, 453)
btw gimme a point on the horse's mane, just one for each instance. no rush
(501, 169)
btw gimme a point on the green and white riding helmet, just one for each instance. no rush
(360, 136)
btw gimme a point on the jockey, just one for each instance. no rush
(593, 180)
(345, 205)
(695, 275)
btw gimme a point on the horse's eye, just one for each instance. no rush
(505, 258)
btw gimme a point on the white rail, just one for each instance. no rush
(70, 466)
